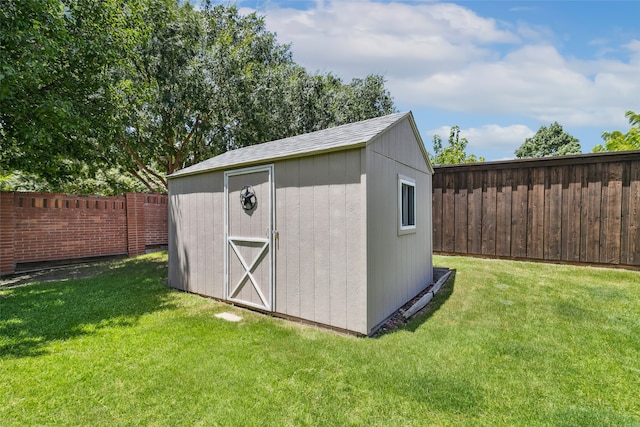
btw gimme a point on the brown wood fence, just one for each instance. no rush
(583, 209)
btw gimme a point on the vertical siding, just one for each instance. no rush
(288, 277)
(196, 234)
(356, 238)
(307, 268)
(337, 231)
(199, 254)
(320, 267)
(321, 230)
(399, 266)
(176, 270)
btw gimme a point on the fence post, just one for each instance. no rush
(136, 244)
(7, 233)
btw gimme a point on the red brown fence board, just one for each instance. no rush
(38, 227)
(583, 209)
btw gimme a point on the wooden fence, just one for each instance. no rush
(583, 209)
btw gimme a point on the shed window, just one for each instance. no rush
(407, 204)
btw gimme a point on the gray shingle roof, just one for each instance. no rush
(339, 137)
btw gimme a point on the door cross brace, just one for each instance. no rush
(248, 268)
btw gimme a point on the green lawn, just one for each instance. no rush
(507, 343)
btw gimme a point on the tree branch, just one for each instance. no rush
(141, 179)
(184, 143)
(144, 167)
(159, 186)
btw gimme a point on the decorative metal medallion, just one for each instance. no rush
(248, 198)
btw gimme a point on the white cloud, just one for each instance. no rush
(534, 32)
(444, 56)
(394, 39)
(534, 81)
(634, 47)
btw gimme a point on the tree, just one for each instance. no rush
(104, 182)
(549, 141)
(315, 102)
(618, 141)
(454, 153)
(209, 81)
(150, 87)
(57, 63)
(201, 84)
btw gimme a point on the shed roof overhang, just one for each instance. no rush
(339, 138)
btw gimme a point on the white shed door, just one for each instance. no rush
(249, 235)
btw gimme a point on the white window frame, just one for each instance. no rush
(409, 228)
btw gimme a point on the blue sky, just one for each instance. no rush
(497, 69)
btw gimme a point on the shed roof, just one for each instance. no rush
(337, 138)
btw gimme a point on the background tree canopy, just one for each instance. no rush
(57, 64)
(549, 141)
(94, 89)
(618, 141)
(454, 153)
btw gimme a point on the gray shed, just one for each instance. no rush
(332, 227)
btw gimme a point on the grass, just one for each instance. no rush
(506, 343)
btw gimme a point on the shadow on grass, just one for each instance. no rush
(434, 305)
(36, 314)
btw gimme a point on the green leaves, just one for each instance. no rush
(58, 58)
(213, 80)
(150, 87)
(454, 153)
(551, 141)
(618, 141)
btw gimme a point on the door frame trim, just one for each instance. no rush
(271, 256)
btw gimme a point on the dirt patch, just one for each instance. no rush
(56, 274)
(397, 319)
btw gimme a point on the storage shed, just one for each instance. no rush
(332, 227)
